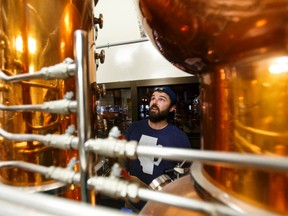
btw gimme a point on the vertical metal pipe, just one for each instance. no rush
(83, 106)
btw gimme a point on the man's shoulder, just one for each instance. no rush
(135, 129)
(175, 128)
(179, 135)
(138, 124)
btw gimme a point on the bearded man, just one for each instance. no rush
(156, 131)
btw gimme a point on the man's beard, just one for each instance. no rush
(158, 116)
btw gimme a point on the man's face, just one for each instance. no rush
(159, 106)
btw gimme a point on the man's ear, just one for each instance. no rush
(172, 108)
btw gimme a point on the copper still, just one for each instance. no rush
(33, 35)
(238, 49)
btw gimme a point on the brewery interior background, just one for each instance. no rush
(132, 68)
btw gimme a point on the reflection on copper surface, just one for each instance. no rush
(238, 50)
(191, 34)
(186, 190)
(250, 118)
(36, 34)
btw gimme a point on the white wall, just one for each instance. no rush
(136, 61)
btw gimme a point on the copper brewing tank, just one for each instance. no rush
(238, 49)
(36, 34)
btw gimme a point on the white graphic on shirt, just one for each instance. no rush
(148, 163)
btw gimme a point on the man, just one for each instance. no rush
(156, 131)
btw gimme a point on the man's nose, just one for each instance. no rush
(155, 103)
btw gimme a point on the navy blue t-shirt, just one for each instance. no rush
(145, 168)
